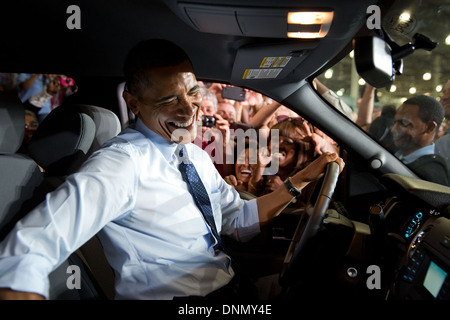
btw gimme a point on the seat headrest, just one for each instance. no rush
(12, 122)
(69, 135)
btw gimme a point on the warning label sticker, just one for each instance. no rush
(270, 68)
(275, 62)
(261, 73)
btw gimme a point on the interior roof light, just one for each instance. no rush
(322, 19)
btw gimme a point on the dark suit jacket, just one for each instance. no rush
(431, 167)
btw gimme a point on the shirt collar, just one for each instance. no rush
(167, 148)
(416, 154)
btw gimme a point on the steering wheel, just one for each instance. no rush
(296, 254)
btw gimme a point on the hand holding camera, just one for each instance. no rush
(218, 123)
(208, 121)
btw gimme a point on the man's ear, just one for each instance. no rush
(131, 101)
(431, 127)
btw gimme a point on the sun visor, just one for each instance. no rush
(257, 62)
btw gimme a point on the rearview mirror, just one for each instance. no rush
(373, 61)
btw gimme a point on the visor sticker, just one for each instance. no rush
(269, 68)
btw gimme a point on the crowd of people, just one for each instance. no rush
(298, 142)
(40, 94)
(246, 155)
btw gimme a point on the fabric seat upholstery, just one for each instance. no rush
(63, 141)
(19, 174)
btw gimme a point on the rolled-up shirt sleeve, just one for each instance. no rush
(100, 192)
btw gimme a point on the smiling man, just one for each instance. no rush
(159, 229)
(416, 123)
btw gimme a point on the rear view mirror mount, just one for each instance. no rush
(378, 61)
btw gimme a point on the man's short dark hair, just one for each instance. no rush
(429, 109)
(147, 55)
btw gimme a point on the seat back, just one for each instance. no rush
(69, 135)
(19, 174)
(63, 141)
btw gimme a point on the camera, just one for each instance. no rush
(67, 82)
(208, 121)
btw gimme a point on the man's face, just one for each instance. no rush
(170, 106)
(227, 111)
(445, 99)
(208, 107)
(409, 131)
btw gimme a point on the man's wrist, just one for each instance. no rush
(292, 189)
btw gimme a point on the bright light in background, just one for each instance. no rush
(361, 82)
(405, 16)
(426, 76)
(393, 88)
(351, 54)
(328, 74)
(438, 88)
(447, 40)
(412, 90)
(340, 92)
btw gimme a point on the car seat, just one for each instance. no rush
(127, 117)
(19, 174)
(63, 141)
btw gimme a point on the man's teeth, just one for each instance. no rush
(184, 124)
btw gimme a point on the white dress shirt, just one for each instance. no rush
(132, 193)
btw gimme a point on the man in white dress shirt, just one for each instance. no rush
(132, 194)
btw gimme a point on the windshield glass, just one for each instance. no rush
(411, 117)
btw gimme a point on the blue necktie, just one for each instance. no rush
(198, 191)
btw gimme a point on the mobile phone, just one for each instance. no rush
(233, 93)
(67, 82)
(208, 121)
(241, 125)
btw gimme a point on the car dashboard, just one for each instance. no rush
(418, 230)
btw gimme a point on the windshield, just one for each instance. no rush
(411, 117)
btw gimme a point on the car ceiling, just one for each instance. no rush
(38, 41)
